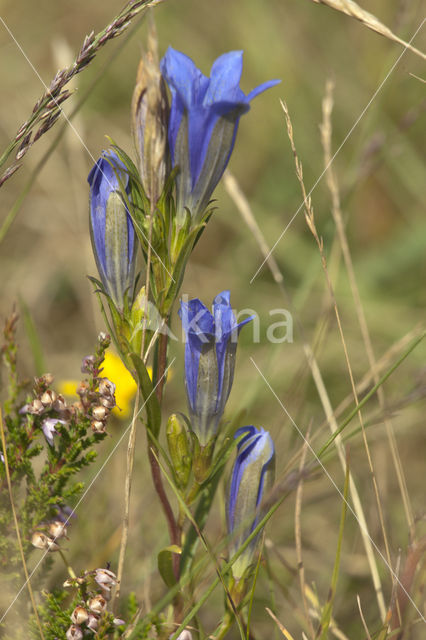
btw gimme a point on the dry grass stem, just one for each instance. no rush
(326, 134)
(298, 535)
(353, 10)
(280, 626)
(310, 220)
(364, 624)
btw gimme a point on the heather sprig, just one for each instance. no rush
(44, 428)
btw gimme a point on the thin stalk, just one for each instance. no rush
(69, 568)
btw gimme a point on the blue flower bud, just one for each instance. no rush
(203, 124)
(111, 227)
(252, 478)
(210, 349)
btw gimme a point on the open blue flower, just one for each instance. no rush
(204, 119)
(210, 349)
(252, 478)
(111, 227)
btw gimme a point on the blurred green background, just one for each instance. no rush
(46, 256)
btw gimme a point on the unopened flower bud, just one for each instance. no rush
(87, 364)
(177, 441)
(80, 615)
(99, 412)
(252, 478)
(117, 622)
(92, 622)
(104, 339)
(106, 387)
(60, 405)
(149, 116)
(36, 407)
(74, 633)
(83, 388)
(48, 398)
(49, 430)
(57, 529)
(44, 381)
(97, 604)
(108, 402)
(113, 236)
(105, 578)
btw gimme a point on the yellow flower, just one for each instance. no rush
(114, 370)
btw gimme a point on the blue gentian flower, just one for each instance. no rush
(252, 479)
(204, 118)
(211, 344)
(111, 227)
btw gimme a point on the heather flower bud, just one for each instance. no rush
(74, 633)
(57, 529)
(44, 381)
(104, 339)
(49, 430)
(60, 405)
(41, 541)
(79, 615)
(99, 412)
(48, 398)
(93, 622)
(106, 387)
(177, 441)
(97, 604)
(36, 407)
(98, 426)
(150, 114)
(87, 364)
(117, 622)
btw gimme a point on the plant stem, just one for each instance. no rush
(70, 570)
(174, 529)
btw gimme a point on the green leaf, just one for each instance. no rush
(179, 270)
(165, 564)
(152, 405)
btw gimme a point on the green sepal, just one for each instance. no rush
(165, 564)
(179, 449)
(152, 405)
(202, 459)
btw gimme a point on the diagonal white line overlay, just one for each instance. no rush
(394, 575)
